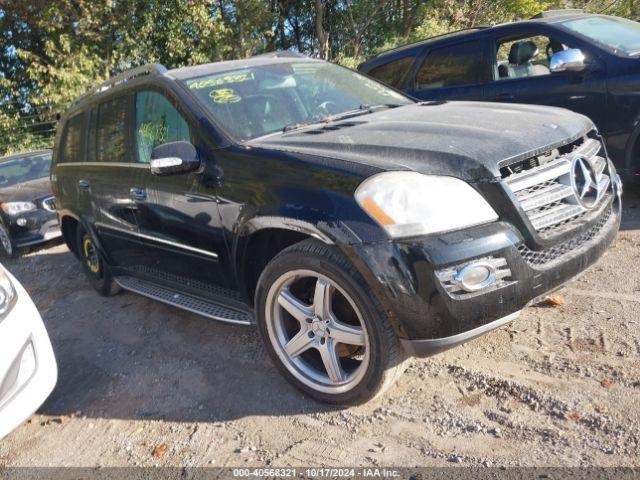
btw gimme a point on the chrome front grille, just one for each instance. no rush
(558, 188)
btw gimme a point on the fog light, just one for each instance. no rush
(475, 276)
(22, 222)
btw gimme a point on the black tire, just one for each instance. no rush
(94, 266)
(7, 248)
(386, 358)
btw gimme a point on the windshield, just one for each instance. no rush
(256, 101)
(24, 169)
(623, 36)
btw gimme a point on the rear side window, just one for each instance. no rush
(157, 122)
(456, 65)
(394, 72)
(111, 139)
(73, 140)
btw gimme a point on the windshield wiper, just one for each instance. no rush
(361, 110)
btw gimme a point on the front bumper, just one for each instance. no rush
(28, 370)
(32, 228)
(429, 319)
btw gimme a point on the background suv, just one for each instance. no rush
(354, 226)
(587, 63)
(27, 209)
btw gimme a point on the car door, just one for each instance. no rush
(113, 180)
(533, 82)
(456, 71)
(28, 370)
(179, 221)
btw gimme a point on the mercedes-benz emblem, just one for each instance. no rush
(584, 182)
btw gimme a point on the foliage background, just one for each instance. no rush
(51, 51)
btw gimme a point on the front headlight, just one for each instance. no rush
(406, 204)
(16, 208)
(7, 294)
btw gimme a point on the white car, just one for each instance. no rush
(28, 370)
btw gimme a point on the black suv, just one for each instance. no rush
(27, 208)
(354, 226)
(587, 63)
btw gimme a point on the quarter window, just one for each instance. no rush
(111, 131)
(73, 145)
(456, 65)
(392, 73)
(157, 122)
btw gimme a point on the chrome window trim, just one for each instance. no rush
(105, 164)
(159, 240)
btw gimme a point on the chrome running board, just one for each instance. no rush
(191, 303)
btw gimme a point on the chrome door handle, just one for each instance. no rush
(84, 184)
(138, 193)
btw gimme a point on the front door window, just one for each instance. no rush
(157, 122)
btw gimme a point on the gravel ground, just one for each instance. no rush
(144, 384)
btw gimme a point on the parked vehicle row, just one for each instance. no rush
(587, 63)
(354, 226)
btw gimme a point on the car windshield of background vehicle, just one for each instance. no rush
(260, 100)
(623, 36)
(24, 169)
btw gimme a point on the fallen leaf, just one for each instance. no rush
(575, 416)
(606, 383)
(160, 450)
(601, 408)
(553, 301)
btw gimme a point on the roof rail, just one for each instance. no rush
(559, 13)
(281, 54)
(149, 69)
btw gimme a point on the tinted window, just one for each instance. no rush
(73, 143)
(451, 66)
(392, 73)
(111, 131)
(157, 122)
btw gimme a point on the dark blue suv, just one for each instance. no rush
(587, 63)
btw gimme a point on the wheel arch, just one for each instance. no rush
(69, 222)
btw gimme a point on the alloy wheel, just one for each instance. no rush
(317, 331)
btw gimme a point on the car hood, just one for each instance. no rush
(468, 140)
(26, 191)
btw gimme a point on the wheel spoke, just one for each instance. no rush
(298, 344)
(295, 307)
(331, 361)
(343, 333)
(322, 299)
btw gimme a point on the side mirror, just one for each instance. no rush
(571, 60)
(174, 158)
